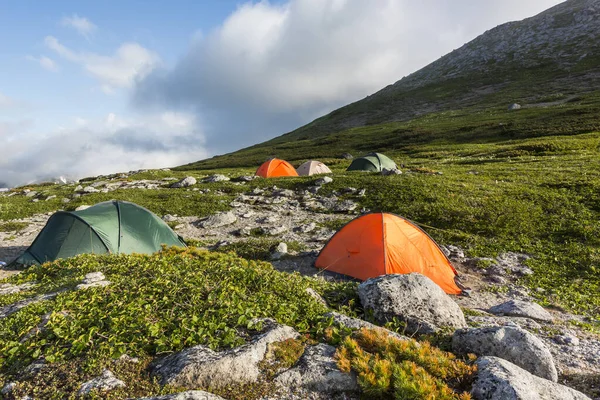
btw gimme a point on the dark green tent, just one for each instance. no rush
(374, 162)
(116, 227)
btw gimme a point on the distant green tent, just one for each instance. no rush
(374, 162)
(115, 227)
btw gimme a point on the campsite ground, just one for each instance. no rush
(536, 196)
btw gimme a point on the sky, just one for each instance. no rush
(90, 88)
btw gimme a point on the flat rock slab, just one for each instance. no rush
(413, 299)
(509, 343)
(217, 220)
(355, 323)
(200, 366)
(520, 308)
(317, 371)
(13, 308)
(498, 379)
(189, 395)
(104, 383)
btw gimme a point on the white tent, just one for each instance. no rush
(313, 168)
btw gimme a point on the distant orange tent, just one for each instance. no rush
(380, 243)
(275, 167)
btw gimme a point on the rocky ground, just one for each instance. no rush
(497, 301)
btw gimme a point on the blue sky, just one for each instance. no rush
(95, 87)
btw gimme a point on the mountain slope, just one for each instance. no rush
(548, 63)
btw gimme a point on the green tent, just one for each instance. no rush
(115, 227)
(374, 162)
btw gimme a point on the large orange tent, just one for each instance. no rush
(380, 243)
(275, 167)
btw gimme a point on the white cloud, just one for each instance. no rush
(5, 101)
(81, 24)
(270, 68)
(45, 62)
(112, 144)
(129, 63)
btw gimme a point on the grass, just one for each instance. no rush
(13, 226)
(390, 368)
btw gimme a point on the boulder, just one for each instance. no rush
(498, 379)
(509, 343)
(514, 106)
(391, 171)
(215, 178)
(90, 189)
(218, 220)
(200, 366)
(93, 279)
(520, 308)
(347, 156)
(322, 181)
(189, 395)
(412, 298)
(317, 371)
(104, 383)
(185, 182)
(355, 323)
(280, 251)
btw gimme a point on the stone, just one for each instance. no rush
(514, 106)
(280, 251)
(51, 197)
(347, 156)
(169, 218)
(82, 207)
(215, 178)
(31, 193)
(185, 182)
(391, 171)
(567, 339)
(104, 383)
(93, 279)
(324, 180)
(200, 366)
(276, 230)
(218, 220)
(317, 371)
(314, 189)
(453, 252)
(313, 293)
(79, 188)
(498, 379)
(345, 206)
(13, 308)
(509, 343)
(8, 388)
(361, 193)
(355, 323)
(306, 228)
(520, 308)
(283, 193)
(412, 298)
(247, 178)
(65, 200)
(90, 189)
(8, 288)
(189, 395)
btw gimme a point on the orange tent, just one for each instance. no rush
(380, 243)
(275, 167)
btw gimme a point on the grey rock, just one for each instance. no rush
(313, 293)
(317, 371)
(93, 279)
(514, 106)
(90, 189)
(104, 383)
(31, 193)
(218, 220)
(361, 193)
(247, 178)
(65, 200)
(51, 197)
(314, 189)
(169, 218)
(276, 230)
(215, 178)
(453, 252)
(8, 288)
(306, 228)
(345, 206)
(283, 193)
(355, 323)
(185, 182)
(347, 156)
(520, 308)
(189, 395)
(13, 308)
(8, 388)
(324, 180)
(79, 188)
(412, 298)
(567, 339)
(498, 379)
(280, 251)
(82, 207)
(200, 366)
(392, 171)
(509, 343)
